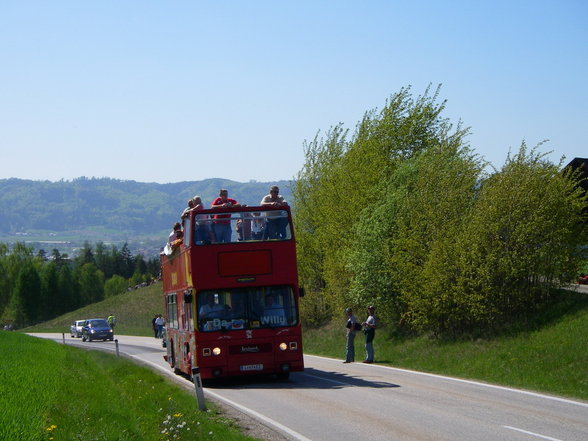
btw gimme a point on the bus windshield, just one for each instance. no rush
(241, 226)
(246, 308)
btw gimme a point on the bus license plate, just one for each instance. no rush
(252, 367)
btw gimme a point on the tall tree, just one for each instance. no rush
(86, 255)
(5, 282)
(51, 294)
(12, 261)
(127, 262)
(91, 284)
(27, 295)
(341, 179)
(527, 235)
(103, 260)
(68, 289)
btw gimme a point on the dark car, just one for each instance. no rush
(97, 329)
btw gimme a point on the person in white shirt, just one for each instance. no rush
(276, 224)
(159, 322)
(369, 329)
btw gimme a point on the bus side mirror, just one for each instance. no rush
(188, 297)
(301, 292)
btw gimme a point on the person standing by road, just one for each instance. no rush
(154, 326)
(369, 329)
(351, 330)
(159, 322)
(111, 321)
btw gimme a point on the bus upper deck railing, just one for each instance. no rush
(246, 224)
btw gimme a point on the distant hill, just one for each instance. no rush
(65, 213)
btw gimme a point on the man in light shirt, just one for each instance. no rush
(276, 224)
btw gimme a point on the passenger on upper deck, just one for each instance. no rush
(202, 226)
(276, 227)
(173, 235)
(221, 225)
(193, 204)
(197, 202)
(186, 211)
(257, 227)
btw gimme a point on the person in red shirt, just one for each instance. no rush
(221, 225)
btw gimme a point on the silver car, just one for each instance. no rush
(76, 328)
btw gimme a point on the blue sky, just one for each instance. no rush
(171, 91)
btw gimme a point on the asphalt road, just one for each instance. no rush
(335, 401)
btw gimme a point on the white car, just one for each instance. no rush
(76, 328)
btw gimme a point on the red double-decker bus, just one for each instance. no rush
(231, 294)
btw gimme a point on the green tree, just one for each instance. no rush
(91, 284)
(51, 294)
(68, 289)
(86, 255)
(26, 297)
(127, 262)
(13, 260)
(525, 237)
(114, 286)
(5, 283)
(430, 210)
(139, 264)
(342, 180)
(59, 259)
(103, 260)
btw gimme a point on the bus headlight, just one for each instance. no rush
(216, 351)
(283, 346)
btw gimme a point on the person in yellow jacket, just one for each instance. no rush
(111, 321)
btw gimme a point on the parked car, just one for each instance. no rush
(97, 329)
(76, 328)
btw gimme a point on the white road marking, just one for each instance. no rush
(476, 383)
(259, 417)
(538, 435)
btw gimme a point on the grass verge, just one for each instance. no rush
(55, 392)
(550, 355)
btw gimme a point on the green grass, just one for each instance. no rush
(549, 356)
(55, 392)
(134, 311)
